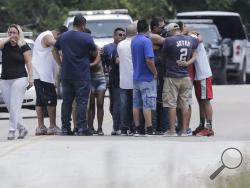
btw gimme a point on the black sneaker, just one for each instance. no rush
(100, 132)
(75, 131)
(124, 132)
(93, 131)
(131, 131)
(139, 131)
(149, 131)
(84, 132)
(67, 133)
(156, 132)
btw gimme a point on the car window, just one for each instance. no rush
(209, 34)
(228, 26)
(103, 28)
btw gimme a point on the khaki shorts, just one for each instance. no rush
(176, 92)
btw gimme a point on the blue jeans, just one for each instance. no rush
(160, 118)
(115, 97)
(79, 90)
(126, 109)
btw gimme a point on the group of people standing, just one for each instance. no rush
(149, 79)
(153, 71)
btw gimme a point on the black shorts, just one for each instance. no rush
(45, 93)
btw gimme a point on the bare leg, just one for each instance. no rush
(208, 111)
(185, 119)
(40, 115)
(52, 115)
(148, 118)
(100, 111)
(172, 118)
(91, 111)
(136, 115)
(179, 118)
(202, 113)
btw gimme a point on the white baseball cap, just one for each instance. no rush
(171, 27)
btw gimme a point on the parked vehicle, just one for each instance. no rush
(102, 23)
(30, 95)
(234, 34)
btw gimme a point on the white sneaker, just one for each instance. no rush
(187, 133)
(41, 131)
(54, 131)
(170, 134)
(11, 135)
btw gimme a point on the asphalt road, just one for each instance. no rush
(116, 161)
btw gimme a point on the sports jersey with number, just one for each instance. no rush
(178, 47)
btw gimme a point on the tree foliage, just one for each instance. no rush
(39, 15)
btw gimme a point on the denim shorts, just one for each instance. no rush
(144, 95)
(98, 83)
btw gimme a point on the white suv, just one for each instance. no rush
(102, 23)
(231, 28)
(29, 100)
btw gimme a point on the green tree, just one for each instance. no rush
(39, 15)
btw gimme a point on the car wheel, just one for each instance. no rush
(221, 78)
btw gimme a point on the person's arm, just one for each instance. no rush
(200, 38)
(56, 56)
(97, 59)
(189, 62)
(3, 41)
(27, 58)
(48, 41)
(157, 39)
(117, 60)
(151, 66)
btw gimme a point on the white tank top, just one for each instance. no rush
(43, 63)
(202, 66)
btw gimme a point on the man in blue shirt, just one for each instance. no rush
(144, 78)
(77, 47)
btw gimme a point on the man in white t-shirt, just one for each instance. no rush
(203, 90)
(44, 67)
(126, 80)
